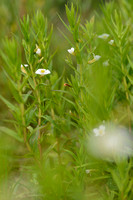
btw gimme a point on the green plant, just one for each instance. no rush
(56, 117)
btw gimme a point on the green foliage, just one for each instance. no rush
(54, 115)
(11, 133)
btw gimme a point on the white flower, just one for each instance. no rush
(87, 171)
(71, 51)
(99, 131)
(115, 144)
(38, 51)
(23, 68)
(111, 42)
(42, 72)
(104, 36)
(26, 65)
(96, 57)
(106, 63)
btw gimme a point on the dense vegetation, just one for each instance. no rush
(70, 92)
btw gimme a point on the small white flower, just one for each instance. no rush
(23, 68)
(71, 51)
(87, 171)
(115, 144)
(38, 51)
(99, 131)
(42, 72)
(24, 65)
(106, 63)
(96, 58)
(111, 42)
(104, 36)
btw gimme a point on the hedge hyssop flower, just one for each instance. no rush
(71, 51)
(99, 131)
(23, 68)
(38, 50)
(96, 57)
(116, 143)
(111, 42)
(106, 63)
(42, 72)
(104, 36)
(87, 171)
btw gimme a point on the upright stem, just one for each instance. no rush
(39, 124)
(126, 93)
(23, 119)
(128, 107)
(24, 127)
(58, 150)
(58, 139)
(39, 111)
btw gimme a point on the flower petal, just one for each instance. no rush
(102, 127)
(71, 51)
(104, 36)
(42, 72)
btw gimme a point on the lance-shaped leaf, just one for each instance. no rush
(11, 133)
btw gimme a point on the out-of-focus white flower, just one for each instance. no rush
(115, 144)
(23, 68)
(106, 63)
(42, 72)
(38, 51)
(111, 42)
(87, 171)
(71, 51)
(25, 65)
(104, 36)
(99, 131)
(96, 58)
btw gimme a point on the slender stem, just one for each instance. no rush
(23, 118)
(39, 111)
(22, 109)
(58, 139)
(128, 107)
(25, 135)
(126, 93)
(39, 124)
(24, 127)
(58, 150)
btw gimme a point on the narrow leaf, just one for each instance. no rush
(11, 133)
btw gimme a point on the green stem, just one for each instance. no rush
(39, 112)
(24, 127)
(58, 139)
(58, 150)
(23, 119)
(126, 93)
(22, 109)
